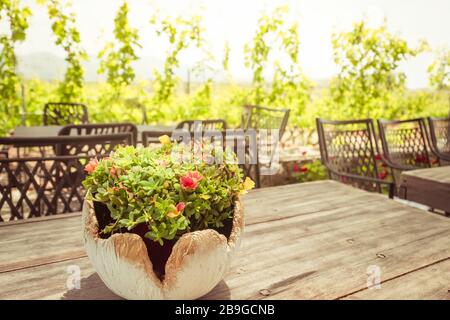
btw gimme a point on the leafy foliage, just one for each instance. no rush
(439, 70)
(181, 33)
(17, 20)
(368, 83)
(289, 87)
(117, 62)
(311, 171)
(144, 185)
(68, 37)
(367, 59)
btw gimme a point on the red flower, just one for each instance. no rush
(189, 182)
(420, 158)
(296, 167)
(180, 206)
(378, 157)
(382, 175)
(304, 169)
(178, 209)
(91, 166)
(113, 172)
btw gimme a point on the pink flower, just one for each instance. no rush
(382, 175)
(178, 209)
(189, 182)
(180, 206)
(91, 166)
(113, 172)
(296, 167)
(420, 158)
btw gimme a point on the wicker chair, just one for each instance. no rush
(152, 137)
(348, 150)
(36, 186)
(261, 118)
(405, 145)
(202, 125)
(440, 138)
(99, 128)
(63, 113)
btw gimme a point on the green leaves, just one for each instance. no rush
(68, 38)
(368, 59)
(17, 20)
(289, 87)
(145, 191)
(119, 55)
(439, 70)
(182, 34)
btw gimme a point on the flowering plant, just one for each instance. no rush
(149, 186)
(311, 171)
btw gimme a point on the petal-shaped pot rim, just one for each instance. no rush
(131, 247)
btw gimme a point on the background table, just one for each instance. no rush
(430, 187)
(304, 241)
(52, 131)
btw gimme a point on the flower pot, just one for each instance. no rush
(197, 261)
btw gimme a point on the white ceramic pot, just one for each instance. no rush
(198, 262)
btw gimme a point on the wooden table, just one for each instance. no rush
(52, 131)
(313, 240)
(430, 187)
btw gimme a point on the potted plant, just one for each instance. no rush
(158, 228)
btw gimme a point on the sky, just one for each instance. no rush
(234, 21)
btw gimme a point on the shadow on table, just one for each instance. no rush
(93, 288)
(220, 292)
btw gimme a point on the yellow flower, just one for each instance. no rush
(248, 184)
(165, 139)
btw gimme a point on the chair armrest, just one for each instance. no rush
(440, 155)
(367, 179)
(4, 153)
(396, 166)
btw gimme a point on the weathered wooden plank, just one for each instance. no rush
(56, 237)
(430, 187)
(50, 282)
(306, 254)
(42, 241)
(40, 219)
(432, 282)
(303, 241)
(316, 259)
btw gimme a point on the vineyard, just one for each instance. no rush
(368, 83)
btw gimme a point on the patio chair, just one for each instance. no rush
(100, 128)
(260, 118)
(63, 113)
(405, 145)
(32, 197)
(257, 117)
(202, 125)
(152, 137)
(348, 151)
(49, 175)
(440, 138)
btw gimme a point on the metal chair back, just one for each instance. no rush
(349, 147)
(63, 113)
(440, 138)
(100, 129)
